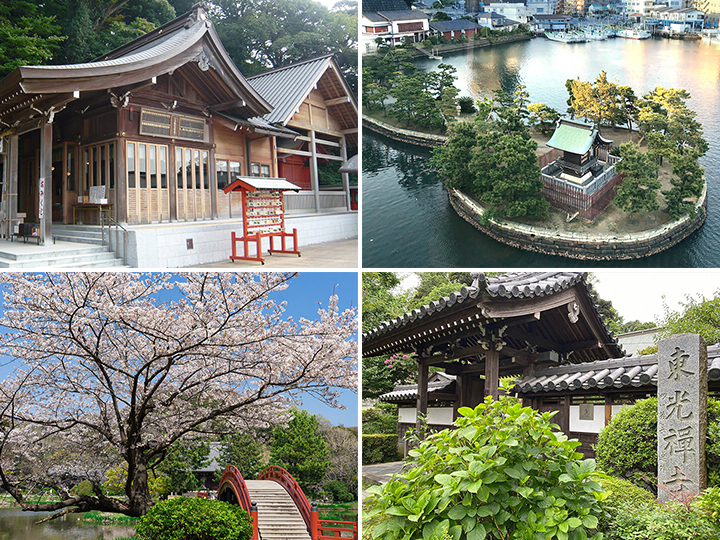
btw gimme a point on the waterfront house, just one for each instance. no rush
(676, 21)
(495, 21)
(147, 137)
(392, 27)
(550, 23)
(581, 177)
(454, 29)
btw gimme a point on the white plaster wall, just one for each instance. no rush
(165, 245)
(436, 415)
(590, 426)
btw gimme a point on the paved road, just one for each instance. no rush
(341, 254)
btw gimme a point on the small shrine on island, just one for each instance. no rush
(583, 177)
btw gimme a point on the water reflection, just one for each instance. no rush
(18, 525)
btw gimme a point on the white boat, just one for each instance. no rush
(595, 33)
(566, 37)
(633, 33)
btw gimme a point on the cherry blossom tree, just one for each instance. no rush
(118, 367)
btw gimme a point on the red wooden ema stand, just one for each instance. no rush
(263, 217)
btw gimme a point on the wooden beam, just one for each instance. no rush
(516, 321)
(507, 308)
(338, 101)
(350, 131)
(293, 152)
(422, 399)
(234, 104)
(325, 142)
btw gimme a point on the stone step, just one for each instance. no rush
(79, 239)
(96, 259)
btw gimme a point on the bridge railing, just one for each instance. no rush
(233, 478)
(285, 479)
(328, 529)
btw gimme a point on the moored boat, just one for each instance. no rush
(633, 33)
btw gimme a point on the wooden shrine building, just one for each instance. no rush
(582, 178)
(152, 132)
(510, 325)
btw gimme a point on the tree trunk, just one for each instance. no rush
(137, 488)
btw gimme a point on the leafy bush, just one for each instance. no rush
(708, 504)
(467, 104)
(195, 519)
(672, 521)
(627, 446)
(621, 491)
(382, 418)
(338, 491)
(379, 448)
(504, 472)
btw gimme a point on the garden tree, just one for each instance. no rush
(503, 472)
(639, 189)
(609, 107)
(414, 103)
(441, 78)
(122, 366)
(28, 35)
(449, 103)
(521, 98)
(263, 34)
(384, 68)
(441, 16)
(300, 449)
(242, 451)
(628, 103)
(688, 180)
(179, 463)
(542, 117)
(697, 315)
(342, 445)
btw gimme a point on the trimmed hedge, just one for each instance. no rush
(379, 448)
(195, 519)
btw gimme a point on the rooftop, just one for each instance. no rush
(574, 136)
(447, 26)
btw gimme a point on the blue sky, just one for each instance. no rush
(303, 296)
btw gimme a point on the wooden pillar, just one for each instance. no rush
(120, 211)
(12, 164)
(172, 178)
(564, 422)
(492, 373)
(314, 182)
(422, 399)
(212, 172)
(460, 390)
(608, 409)
(45, 183)
(345, 176)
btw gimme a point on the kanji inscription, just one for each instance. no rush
(682, 416)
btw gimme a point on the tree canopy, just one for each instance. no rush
(639, 189)
(118, 367)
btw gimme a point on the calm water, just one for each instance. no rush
(407, 219)
(18, 525)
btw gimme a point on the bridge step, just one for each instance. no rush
(278, 517)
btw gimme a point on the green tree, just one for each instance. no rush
(242, 451)
(441, 16)
(688, 180)
(414, 102)
(542, 117)
(28, 36)
(301, 450)
(639, 189)
(181, 460)
(263, 34)
(697, 315)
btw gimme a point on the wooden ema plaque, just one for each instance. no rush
(263, 217)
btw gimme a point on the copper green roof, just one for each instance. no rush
(573, 137)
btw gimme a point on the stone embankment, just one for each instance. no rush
(408, 136)
(584, 246)
(453, 48)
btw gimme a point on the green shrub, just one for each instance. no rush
(504, 472)
(671, 521)
(379, 448)
(619, 494)
(627, 446)
(382, 418)
(708, 504)
(338, 491)
(195, 519)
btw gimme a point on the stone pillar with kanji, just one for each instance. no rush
(682, 417)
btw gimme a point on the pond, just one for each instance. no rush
(407, 219)
(18, 525)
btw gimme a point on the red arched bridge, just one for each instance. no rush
(279, 508)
